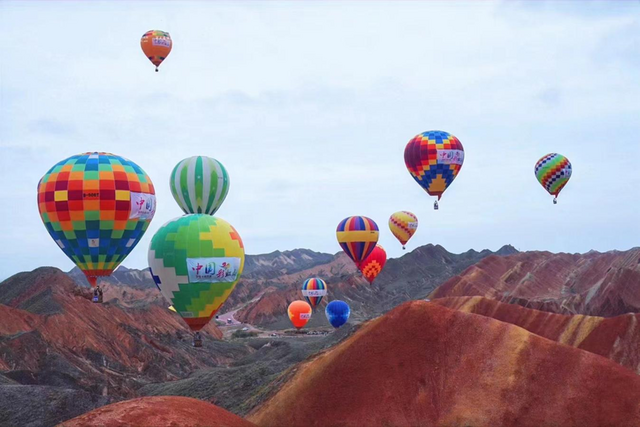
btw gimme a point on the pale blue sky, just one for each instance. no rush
(310, 106)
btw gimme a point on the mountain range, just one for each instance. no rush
(58, 347)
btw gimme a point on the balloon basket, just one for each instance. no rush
(197, 340)
(555, 201)
(435, 205)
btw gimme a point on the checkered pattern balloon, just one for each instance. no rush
(196, 261)
(553, 172)
(199, 184)
(357, 236)
(96, 206)
(434, 160)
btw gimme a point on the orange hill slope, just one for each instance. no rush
(159, 411)
(424, 364)
(616, 338)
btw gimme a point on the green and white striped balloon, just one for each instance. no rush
(199, 184)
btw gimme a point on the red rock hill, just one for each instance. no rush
(424, 364)
(159, 411)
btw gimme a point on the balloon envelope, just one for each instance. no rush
(156, 45)
(96, 207)
(199, 184)
(337, 313)
(314, 290)
(553, 172)
(434, 159)
(357, 236)
(373, 264)
(299, 313)
(196, 261)
(403, 225)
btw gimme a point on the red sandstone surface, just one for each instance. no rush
(424, 364)
(596, 284)
(617, 338)
(159, 411)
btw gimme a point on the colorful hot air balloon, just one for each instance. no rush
(96, 206)
(337, 313)
(357, 236)
(553, 172)
(196, 261)
(373, 264)
(313, 290)
(199, 184)
(403, 225)
(156, 45)
(434, 159)
(299, 313)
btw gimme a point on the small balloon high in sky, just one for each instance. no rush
(156, 45)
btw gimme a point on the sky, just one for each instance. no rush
(309, 106)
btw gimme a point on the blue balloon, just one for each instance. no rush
(337, 313)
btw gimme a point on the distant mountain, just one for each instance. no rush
(424, 364)
(279, 263)
(139, 279)
(412, 276)
(56, 346)
(595, 284)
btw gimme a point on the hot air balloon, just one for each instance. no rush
(357, 236)
(156, 45)
(337, 313)
(196, 261)
(96, 206)
(313, 290)
(199, 184)
(434, 159)
(299, 313)
(553, 172)
(373, 264)
(403, 225)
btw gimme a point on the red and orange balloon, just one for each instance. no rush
(299, 313)
(156, 45)
(373, 264)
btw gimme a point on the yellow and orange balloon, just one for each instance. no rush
(156, 45)
(403, 225)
